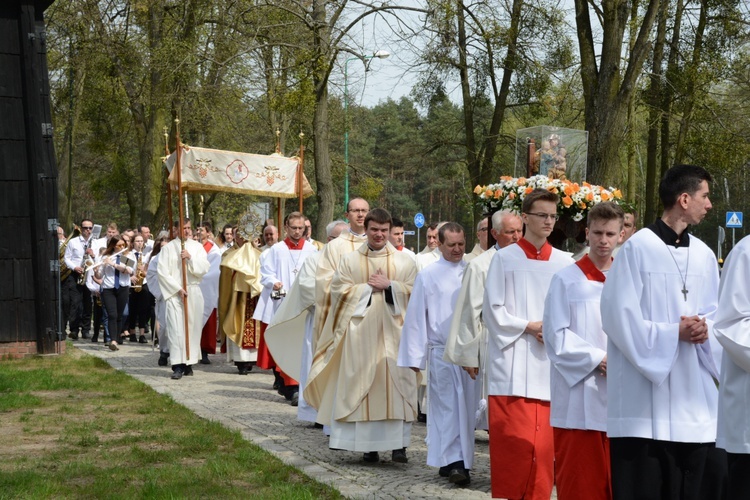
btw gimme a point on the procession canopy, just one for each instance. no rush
(227, 171)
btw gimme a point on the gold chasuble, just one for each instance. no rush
(354, 376)
(239, 288)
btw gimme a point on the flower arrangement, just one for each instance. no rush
(575, 199)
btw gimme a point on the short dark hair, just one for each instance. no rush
(605, 211)
(453, 227)
(432, 226)
(378, 215)
(681, 179)
(87, 220)
(396, 222)
(207, 226)
(538, 195)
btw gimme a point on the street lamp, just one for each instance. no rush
(381, 54)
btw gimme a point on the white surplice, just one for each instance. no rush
(451, 397)
(160, 307)
(210, 282)
(514, 294)
(576, 344)
(659, 387)
(279, 265)
(732, 329)
(425, 259)
(169, 273)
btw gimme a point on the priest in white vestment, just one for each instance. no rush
(732, 329)
(183, 352)
(355, 382)
(657, 309)
(577, 348)
(451, 401)
(347, 242)
(210, 290)
(521, 448)
(467, 342)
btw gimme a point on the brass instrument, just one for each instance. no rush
(140, 274)
(64, 271)
(86, 263)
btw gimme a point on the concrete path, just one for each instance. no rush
(249, 404)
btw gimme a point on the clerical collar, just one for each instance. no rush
(292, 246)
(589, 269)
(532, 253)
(357, 234)
(668, 235)
(373, 249)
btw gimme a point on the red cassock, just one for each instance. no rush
(521, 448)
(265, 360)
(582, 468)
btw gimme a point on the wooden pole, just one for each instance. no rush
(170, 217)
(301, 171)
(178, 166)
(278, 215)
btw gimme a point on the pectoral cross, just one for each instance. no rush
(684, 292)
(295, 273)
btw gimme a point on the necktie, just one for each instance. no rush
(117, 274)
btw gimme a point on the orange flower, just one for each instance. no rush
(586, 184)
(605, 196)
(506, 178)
(567, 201)
(528, 190)
(498, 194)
(478, 189)
(582, 205)
(568, 190)
(590, 197)
(522, 181)
(488, 193)
(576, 187)
(511, 195)
(617, 194)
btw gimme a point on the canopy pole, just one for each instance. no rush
(181, 232)
(300, 171)
(170, 219)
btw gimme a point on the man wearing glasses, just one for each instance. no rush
(518, 369)
(481, 244)
(77, 252)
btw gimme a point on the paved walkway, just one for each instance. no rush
(249, 404)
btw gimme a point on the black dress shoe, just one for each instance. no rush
(295, 399)
(163, 359)
(371, 457)
(142, 340)
(243, 368)
(399, 456)
(459, 476)
(188, 371)
(177, 374)
(444, 471)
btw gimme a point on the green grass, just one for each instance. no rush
(73, 427)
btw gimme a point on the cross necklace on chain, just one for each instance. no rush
(679, 271)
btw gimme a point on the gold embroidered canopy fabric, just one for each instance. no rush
(213, 170)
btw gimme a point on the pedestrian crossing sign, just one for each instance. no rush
(734, 219)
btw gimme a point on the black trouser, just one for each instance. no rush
(97, 314)
(739, 475)
(138, 308)
(115, 301)
(80, 308)
(665, 470)
(67, 292)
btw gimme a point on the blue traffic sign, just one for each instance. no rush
(734, 219)
(409, 233)
(419, 220)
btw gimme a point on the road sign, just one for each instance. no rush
(734, 219)
(409, 233)
(419, 219)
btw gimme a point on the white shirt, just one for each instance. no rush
(732, 329)
(75, 251)
(108, 271)
(576, 344)
(659, 387)
(514, 294)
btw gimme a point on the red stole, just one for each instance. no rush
(532, 253)
(293, 246)
(590, 270)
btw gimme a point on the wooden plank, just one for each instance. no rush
(10, 77)
(6, 271)
(19, 324)
(13, 118)
(23, 279)
(13, 199)
(9, 32)
(13, 160)
(20, 245)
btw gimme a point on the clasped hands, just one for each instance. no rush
(379, 281)
(693, 329)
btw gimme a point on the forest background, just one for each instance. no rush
(654, 82)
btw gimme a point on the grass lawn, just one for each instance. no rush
(73, 427)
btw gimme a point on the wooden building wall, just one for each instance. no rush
(28, 183)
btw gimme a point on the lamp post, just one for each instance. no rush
(381, 54)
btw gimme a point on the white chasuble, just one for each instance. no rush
(732, 329)
(576, 344)
(169, 272)
(514, 295)
(659, 387)
(451, 393)
(354, 375)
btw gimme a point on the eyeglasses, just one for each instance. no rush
(87, 228)
(544, 217)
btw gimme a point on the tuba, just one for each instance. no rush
(64, 271)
